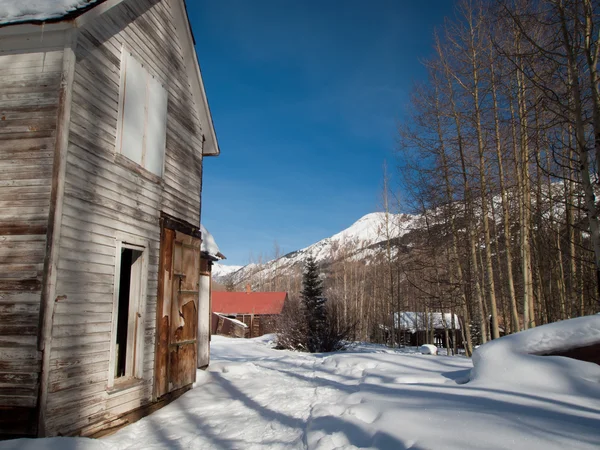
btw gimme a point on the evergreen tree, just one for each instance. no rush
(314, 306)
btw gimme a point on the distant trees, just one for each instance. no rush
(503, 149)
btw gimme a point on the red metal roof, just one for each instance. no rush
(248, 302)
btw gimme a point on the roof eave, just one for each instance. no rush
(218, 257)
(210, 145)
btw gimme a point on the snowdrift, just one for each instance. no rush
(518, 359)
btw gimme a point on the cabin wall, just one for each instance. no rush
(258, 324)
(30, 79)
(107, 200)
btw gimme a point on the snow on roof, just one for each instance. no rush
(413, 321)
(237, 322)
(209, 245)
(19, 11)
(248, 302)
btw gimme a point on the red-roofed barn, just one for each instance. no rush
(258, 310)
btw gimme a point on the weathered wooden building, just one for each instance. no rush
(258, 310)
(104, 124)
(418, 328)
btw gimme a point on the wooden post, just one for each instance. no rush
(55, 221)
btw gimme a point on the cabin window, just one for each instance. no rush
(128, 310)
(142, 125)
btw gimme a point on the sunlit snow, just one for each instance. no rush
(371, 396)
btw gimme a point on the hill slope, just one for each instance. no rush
(359, 241)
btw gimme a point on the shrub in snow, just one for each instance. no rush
(291, 330)
(428, 349)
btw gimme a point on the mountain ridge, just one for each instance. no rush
(357, 241)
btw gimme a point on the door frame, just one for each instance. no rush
(178, 225)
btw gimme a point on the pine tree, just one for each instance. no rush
(314, 306)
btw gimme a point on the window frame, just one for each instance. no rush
(136, 373)
(141, 168)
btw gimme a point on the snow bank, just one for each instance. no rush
(255, 397)
(516, 359)
(428, 349)
(12, 11)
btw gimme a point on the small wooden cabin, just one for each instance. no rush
(418, 328)
(104, 125)
(258, 310)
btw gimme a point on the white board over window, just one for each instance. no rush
(156, 134)
(143, 116)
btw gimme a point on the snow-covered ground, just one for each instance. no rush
(370, 397)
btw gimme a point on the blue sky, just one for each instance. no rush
(305, 97)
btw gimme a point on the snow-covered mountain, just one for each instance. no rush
(219, 271)
(358, 241)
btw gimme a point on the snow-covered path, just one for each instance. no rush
(251, 397)
(370, 397)
(254, 397)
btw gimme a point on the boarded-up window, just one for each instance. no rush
(142, 116)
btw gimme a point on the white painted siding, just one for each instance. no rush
(29, 90)
(106, 200)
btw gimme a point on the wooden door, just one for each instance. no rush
(177, 307)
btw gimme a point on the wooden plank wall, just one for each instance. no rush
(104, 199)
(29, 90)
